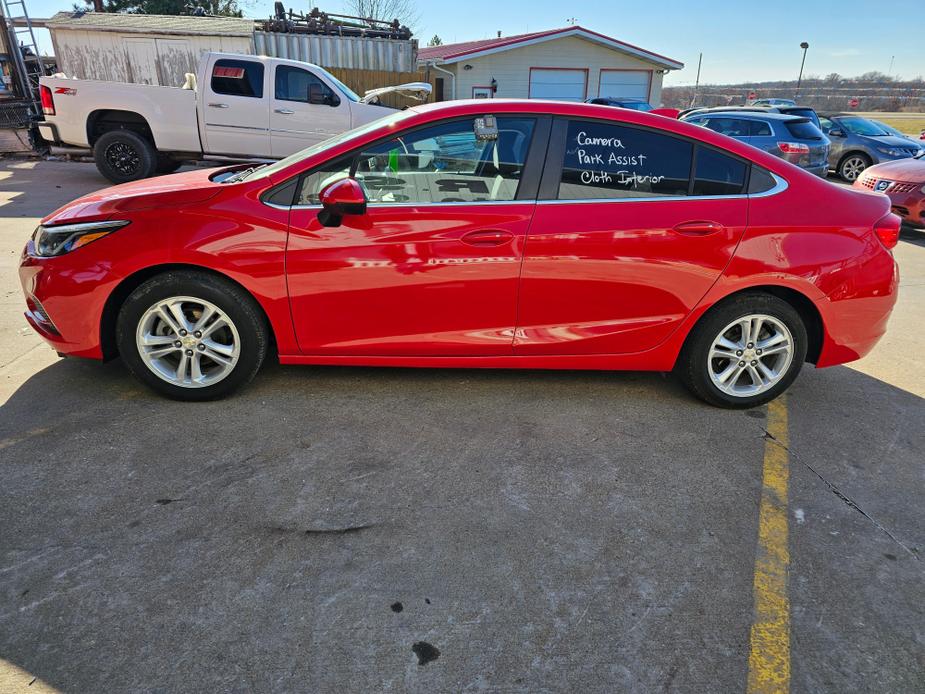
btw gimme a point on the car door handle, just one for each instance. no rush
(698, 228)
(218, 105)
(284, 111)
(487, 238)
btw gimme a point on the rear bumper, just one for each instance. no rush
(821, 170)
(855, 317)
(49, 132)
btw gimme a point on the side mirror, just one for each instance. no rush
(315, 93)
(339, 199)
(836, 132)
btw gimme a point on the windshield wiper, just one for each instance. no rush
(243, 174)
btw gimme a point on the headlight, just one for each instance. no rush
(59, 239)
(922, 189)
(890, 151)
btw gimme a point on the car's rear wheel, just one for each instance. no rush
(852, 165)
(744, 352)
(191, 336)
(124, 155)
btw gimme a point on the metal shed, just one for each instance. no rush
(143, 49)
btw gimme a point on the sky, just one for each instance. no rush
(741, 41)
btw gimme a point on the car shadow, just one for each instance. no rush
(912, 235)
(275, 536)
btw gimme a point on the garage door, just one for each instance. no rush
(561, 85)
(625, 84)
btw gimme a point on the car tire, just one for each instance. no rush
(167, 164)
(124, 155)
(192, 336)
(852, 164)
(702, 364)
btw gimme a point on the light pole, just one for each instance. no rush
(804, 46)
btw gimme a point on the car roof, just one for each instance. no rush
(754, 115)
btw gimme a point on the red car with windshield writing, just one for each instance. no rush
(476, 234)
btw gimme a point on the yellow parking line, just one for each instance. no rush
(769, 658)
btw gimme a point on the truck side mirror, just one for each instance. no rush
(339, 199)
(316, 94)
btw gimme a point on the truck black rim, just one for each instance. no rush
(123, 158)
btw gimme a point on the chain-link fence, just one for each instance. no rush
(15, 114)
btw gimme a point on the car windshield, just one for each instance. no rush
(890, 130)
(862, 126)
(388, 121)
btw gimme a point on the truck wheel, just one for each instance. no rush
(167, 164)
(124, 155)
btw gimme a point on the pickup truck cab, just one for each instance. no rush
(236, 107)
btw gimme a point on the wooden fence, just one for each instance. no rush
(361, 81)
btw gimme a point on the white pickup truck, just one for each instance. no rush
(236, 108)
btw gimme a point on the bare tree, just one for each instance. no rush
(405, 11)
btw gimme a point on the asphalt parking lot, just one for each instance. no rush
(360, 530)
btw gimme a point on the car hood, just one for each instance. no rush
(164, 191)
(891, 141)
(908, 170)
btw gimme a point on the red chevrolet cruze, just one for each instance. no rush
(522, 234)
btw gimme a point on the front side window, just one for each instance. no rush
(238, 78)
(295, 84)
(608, 160)
(443, 163)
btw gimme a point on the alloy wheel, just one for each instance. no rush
(852, 167)
(188, 342)
(750, 355)
(123, 158)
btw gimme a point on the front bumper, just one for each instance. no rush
(65, 304)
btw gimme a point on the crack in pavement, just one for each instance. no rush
(848, 501)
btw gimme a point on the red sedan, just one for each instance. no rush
(521, 234)
(903, 182)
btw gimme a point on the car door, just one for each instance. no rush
(837, 145)
(623, 244)
(234, 111)
(304, 110)
(432, 267)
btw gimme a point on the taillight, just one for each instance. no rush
(48, 101)
(793, 147)
(887, 230)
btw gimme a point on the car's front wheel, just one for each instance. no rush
(745, 352)
(191, 336)
(852, 166)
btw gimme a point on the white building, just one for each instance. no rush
(571, 64)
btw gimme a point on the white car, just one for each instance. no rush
(237, 107)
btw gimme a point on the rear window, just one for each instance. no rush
(802, 113)
(803, 130)
(238, 78)
(760, 128)
(718, 174)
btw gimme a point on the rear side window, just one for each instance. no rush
(759, 128)
(803, 113)
(803, 130)
(607, 160)
(760, 181)
(733, 127)
(718, 174)
(238, 78)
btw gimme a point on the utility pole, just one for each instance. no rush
(890, 71)
(804, 46)
(697, 81)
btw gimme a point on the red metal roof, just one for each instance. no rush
(452, 51)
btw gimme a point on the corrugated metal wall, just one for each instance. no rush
(137, 58)
(351, 52)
